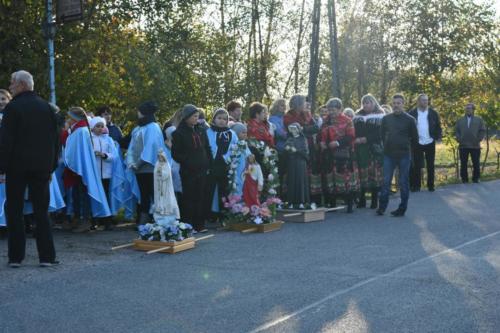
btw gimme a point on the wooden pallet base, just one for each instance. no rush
(250, 227)
(173, 247)
(302, 215)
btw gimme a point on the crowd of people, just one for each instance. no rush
(78, 164)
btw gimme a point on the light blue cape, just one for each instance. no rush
(79, 157)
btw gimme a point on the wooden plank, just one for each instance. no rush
(159, 249)
(250, 227)
(122, 246)
(245, 231)
(204, 237)
(164, 247)
(333, 209)
(302, 215)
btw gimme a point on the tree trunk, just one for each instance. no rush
(299, 46)
(314, 61)
(224, 51)
(487, 149)
(334, 49)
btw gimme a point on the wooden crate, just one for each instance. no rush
(251, 227)
(142, 245)
(302, 215)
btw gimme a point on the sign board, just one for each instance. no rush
(69, 10)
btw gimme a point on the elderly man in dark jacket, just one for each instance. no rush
(399, 134)
(429, 131)
(469, 132)
(29, 148)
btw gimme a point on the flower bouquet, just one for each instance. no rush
(171, 232)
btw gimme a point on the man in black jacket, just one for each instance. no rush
(429, 131)
(191, 150)
(29, 147)
(399, 134)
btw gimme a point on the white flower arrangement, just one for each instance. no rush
(175, 231)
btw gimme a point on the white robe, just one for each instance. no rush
(165, 204)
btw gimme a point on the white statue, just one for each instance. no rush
(166, 210)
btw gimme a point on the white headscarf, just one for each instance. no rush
(96, 120)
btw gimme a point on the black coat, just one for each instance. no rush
(190, 149)
(435, 130)
(30, 135)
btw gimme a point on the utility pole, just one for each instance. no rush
(49, 31)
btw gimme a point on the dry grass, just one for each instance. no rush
(446, 169)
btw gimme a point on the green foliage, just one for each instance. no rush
(206, 53)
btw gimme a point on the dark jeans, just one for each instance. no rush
(429, 153)
(193, 199)
(146, 187)
(81, 200)
(38, 187)
(390, 164)
(475, 154)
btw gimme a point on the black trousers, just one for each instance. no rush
(421, 152)
(217, 179)
(146, 186)
(38, 187)
(281, 172)
(475, 154)
(193, 199)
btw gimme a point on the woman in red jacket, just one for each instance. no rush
(337, 140)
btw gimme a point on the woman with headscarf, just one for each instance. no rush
(191, 150)
(369, 149)
(147, 141)
(220, 139)
(337, 142)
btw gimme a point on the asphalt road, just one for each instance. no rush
(435, 270)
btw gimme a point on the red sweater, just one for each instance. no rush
(260, 131)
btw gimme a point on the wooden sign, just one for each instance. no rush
(69, 10)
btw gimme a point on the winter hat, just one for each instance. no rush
(218, 112)
(188, 110)
(96, 120)
(148, 108)
(77, 113)
(169, 131)
(239, 127)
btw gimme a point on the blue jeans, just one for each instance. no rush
(390, 164)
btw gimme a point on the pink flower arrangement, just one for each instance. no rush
(273, 200)
(255, 210)
(231, 200)
(265, 212)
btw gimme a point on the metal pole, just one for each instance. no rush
(50, 46)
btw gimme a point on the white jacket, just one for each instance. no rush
(104, 144)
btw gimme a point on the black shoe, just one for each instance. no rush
(349, 207)
(398, 212)
(415, 189)
(14, 264)
(362, 202)
(431, 189)
(374, 200)
(476, 181)
(380, 212)
(49, 264)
